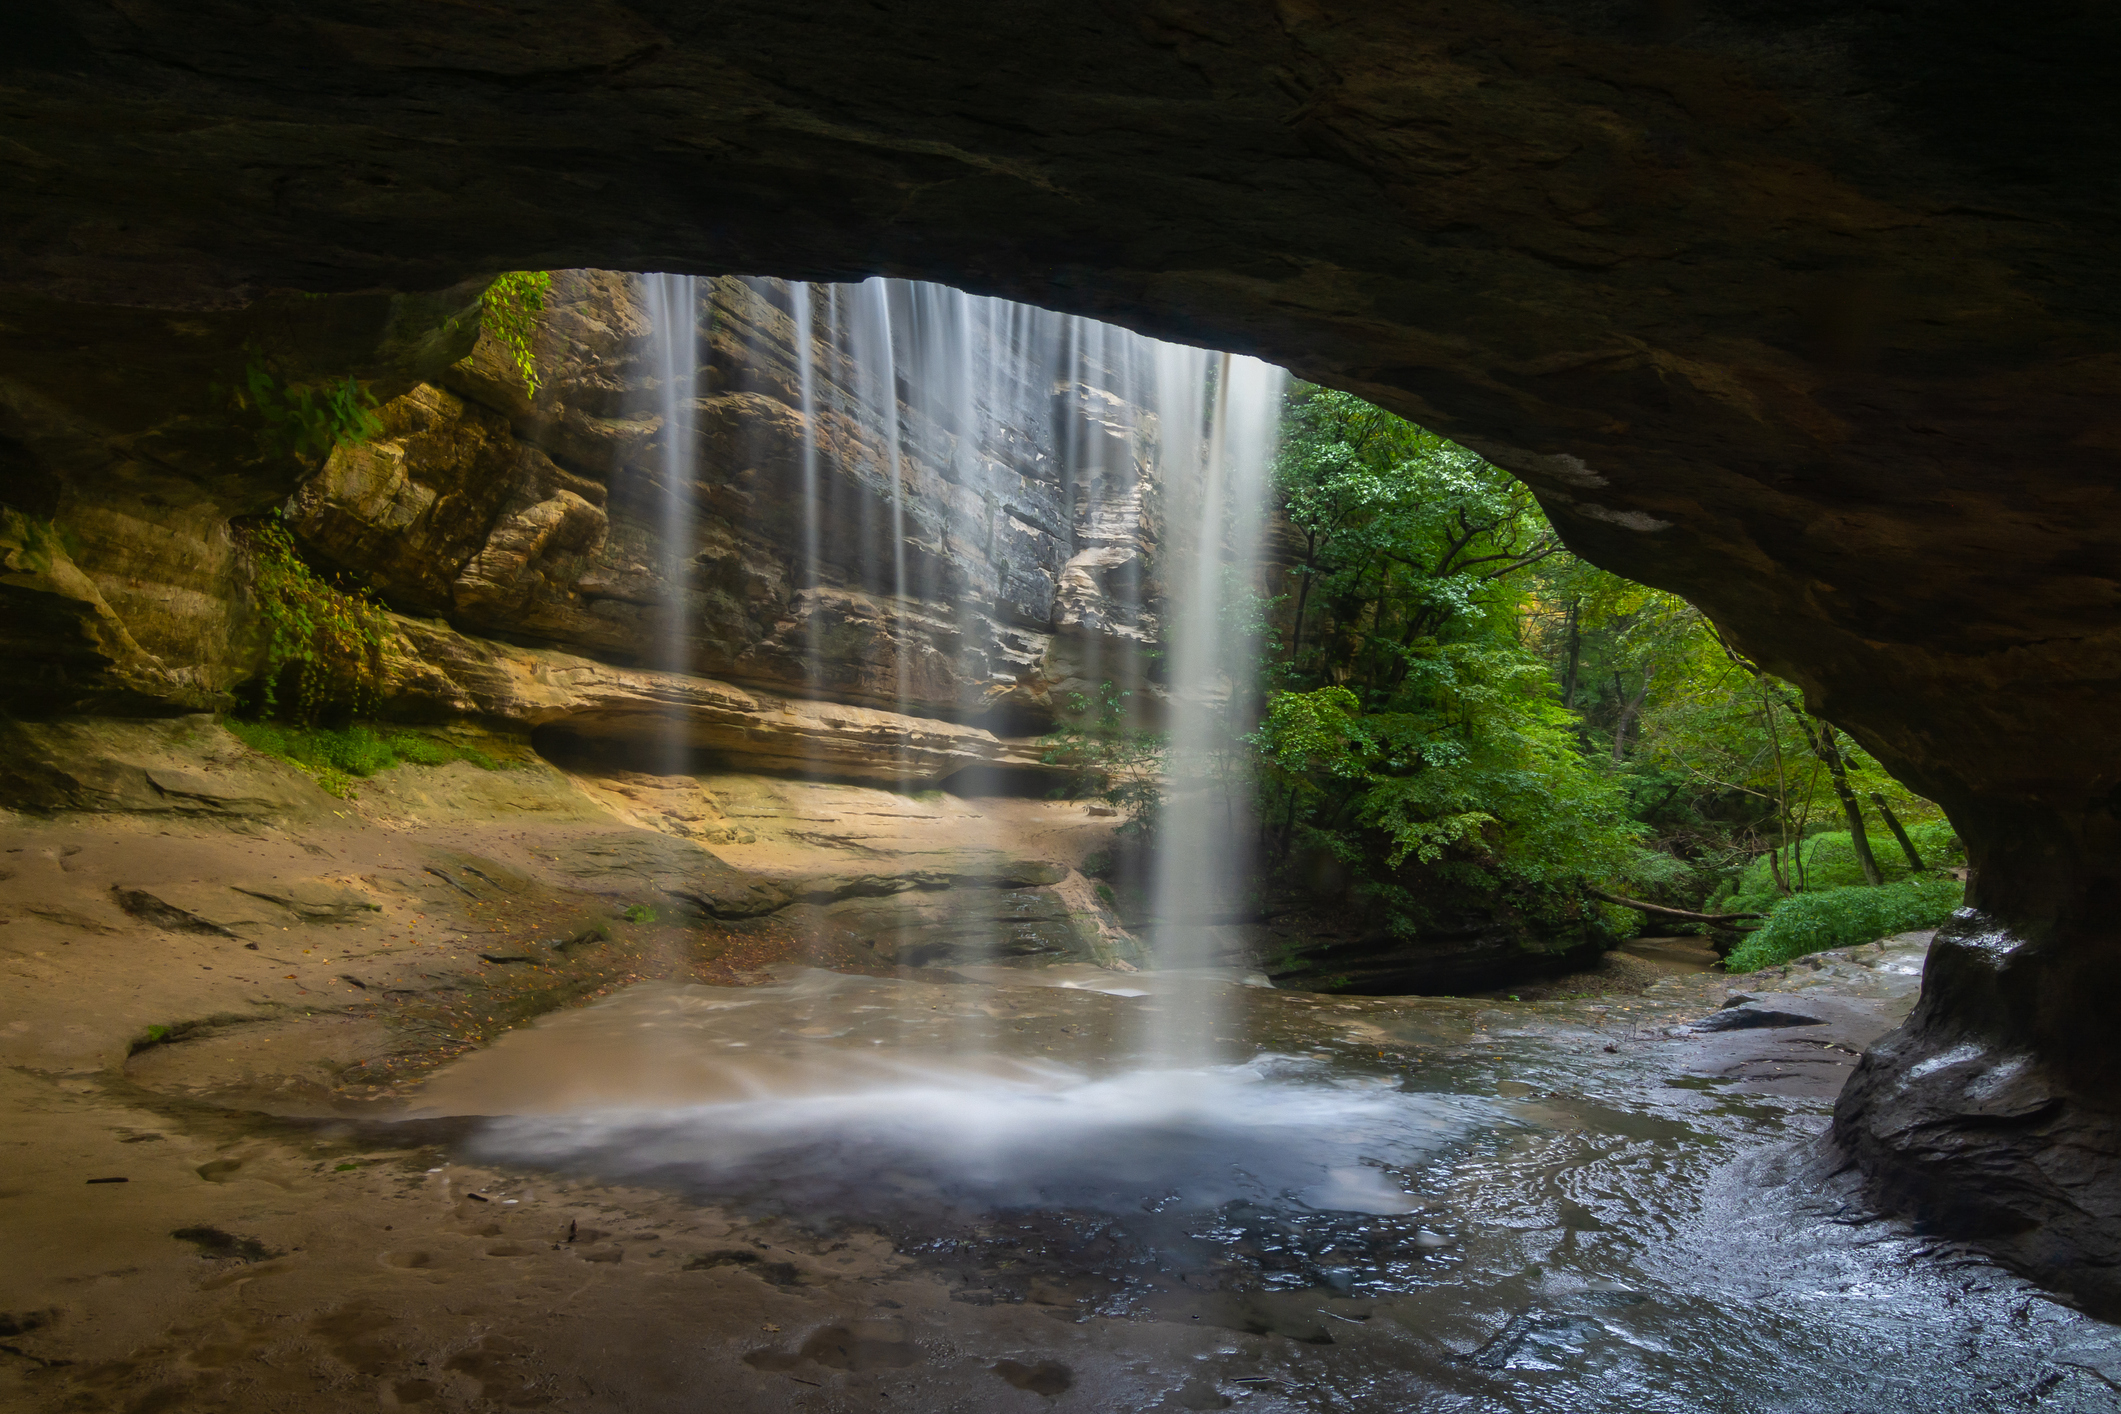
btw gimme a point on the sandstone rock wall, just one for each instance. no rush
(504, 525)
(1025, 540)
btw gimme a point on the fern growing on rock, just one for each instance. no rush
(306, 423)
(329, 639)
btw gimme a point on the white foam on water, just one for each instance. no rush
(665, 1080)
(1264, 1132)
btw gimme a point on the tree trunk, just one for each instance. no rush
(1892, 822)
(1628, 708)
(1837, 772)
(1303, 595)
(1661, 911)
(1568, 679)
(1774, 864)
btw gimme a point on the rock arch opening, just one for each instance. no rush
(1807, 319)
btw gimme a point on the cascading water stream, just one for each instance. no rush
(673, 304)
(1201, 877)
(981, 501)
(1154, 506)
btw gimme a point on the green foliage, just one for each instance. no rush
(1828, 861)
(639, 913)
(34, 544)
(1720, 761)
(330, 638)
(509, 311)
(1109, 756)
(1845, 917)
(1469, 720)
(305, 422)
(1483, 767)
(335, 757)
(1404, 536)
(1418, 740)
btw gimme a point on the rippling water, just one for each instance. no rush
(1434, 1204)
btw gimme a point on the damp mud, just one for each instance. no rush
(428, 1102)
(989, 1189)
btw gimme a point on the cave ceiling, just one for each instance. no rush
(1806, 311)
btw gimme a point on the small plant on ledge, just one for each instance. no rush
(328, 640)
(305, 423)
(509, 310)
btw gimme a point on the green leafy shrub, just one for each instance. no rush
(305, 422)
(329, 638)
(1845, 917)
(335, 757)
(1830, 863)
(640, 913)
(509, 311)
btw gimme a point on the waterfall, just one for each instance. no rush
(673, 305)
(1200, 878)
(973, 472)
(806, 394)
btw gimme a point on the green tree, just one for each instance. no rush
(1417, 735)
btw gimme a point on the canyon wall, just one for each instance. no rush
(520, 540)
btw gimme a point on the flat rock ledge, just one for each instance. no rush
(436, 672)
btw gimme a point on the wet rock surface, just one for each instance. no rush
(1971, 1121)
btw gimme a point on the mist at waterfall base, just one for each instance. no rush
(899, 1099)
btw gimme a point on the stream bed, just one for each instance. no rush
(1378, 1204)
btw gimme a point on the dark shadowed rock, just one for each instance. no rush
(1746, 1016)
(1974, 1115)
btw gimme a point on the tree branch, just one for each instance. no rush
(1662, 912)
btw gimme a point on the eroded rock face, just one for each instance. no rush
(1023, 541)
(437, 673)
(1805, 314)
(1971, 1114)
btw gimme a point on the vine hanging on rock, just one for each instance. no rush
(332, 639)
(509, 311)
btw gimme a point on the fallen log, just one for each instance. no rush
(1713, 920)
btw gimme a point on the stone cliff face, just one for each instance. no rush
(544, 521)
(534, 528)
(1804, 312)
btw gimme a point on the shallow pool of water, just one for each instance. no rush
(1387, 1203)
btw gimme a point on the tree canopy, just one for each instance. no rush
(1460, 712)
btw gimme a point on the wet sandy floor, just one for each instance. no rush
(856, 1193)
